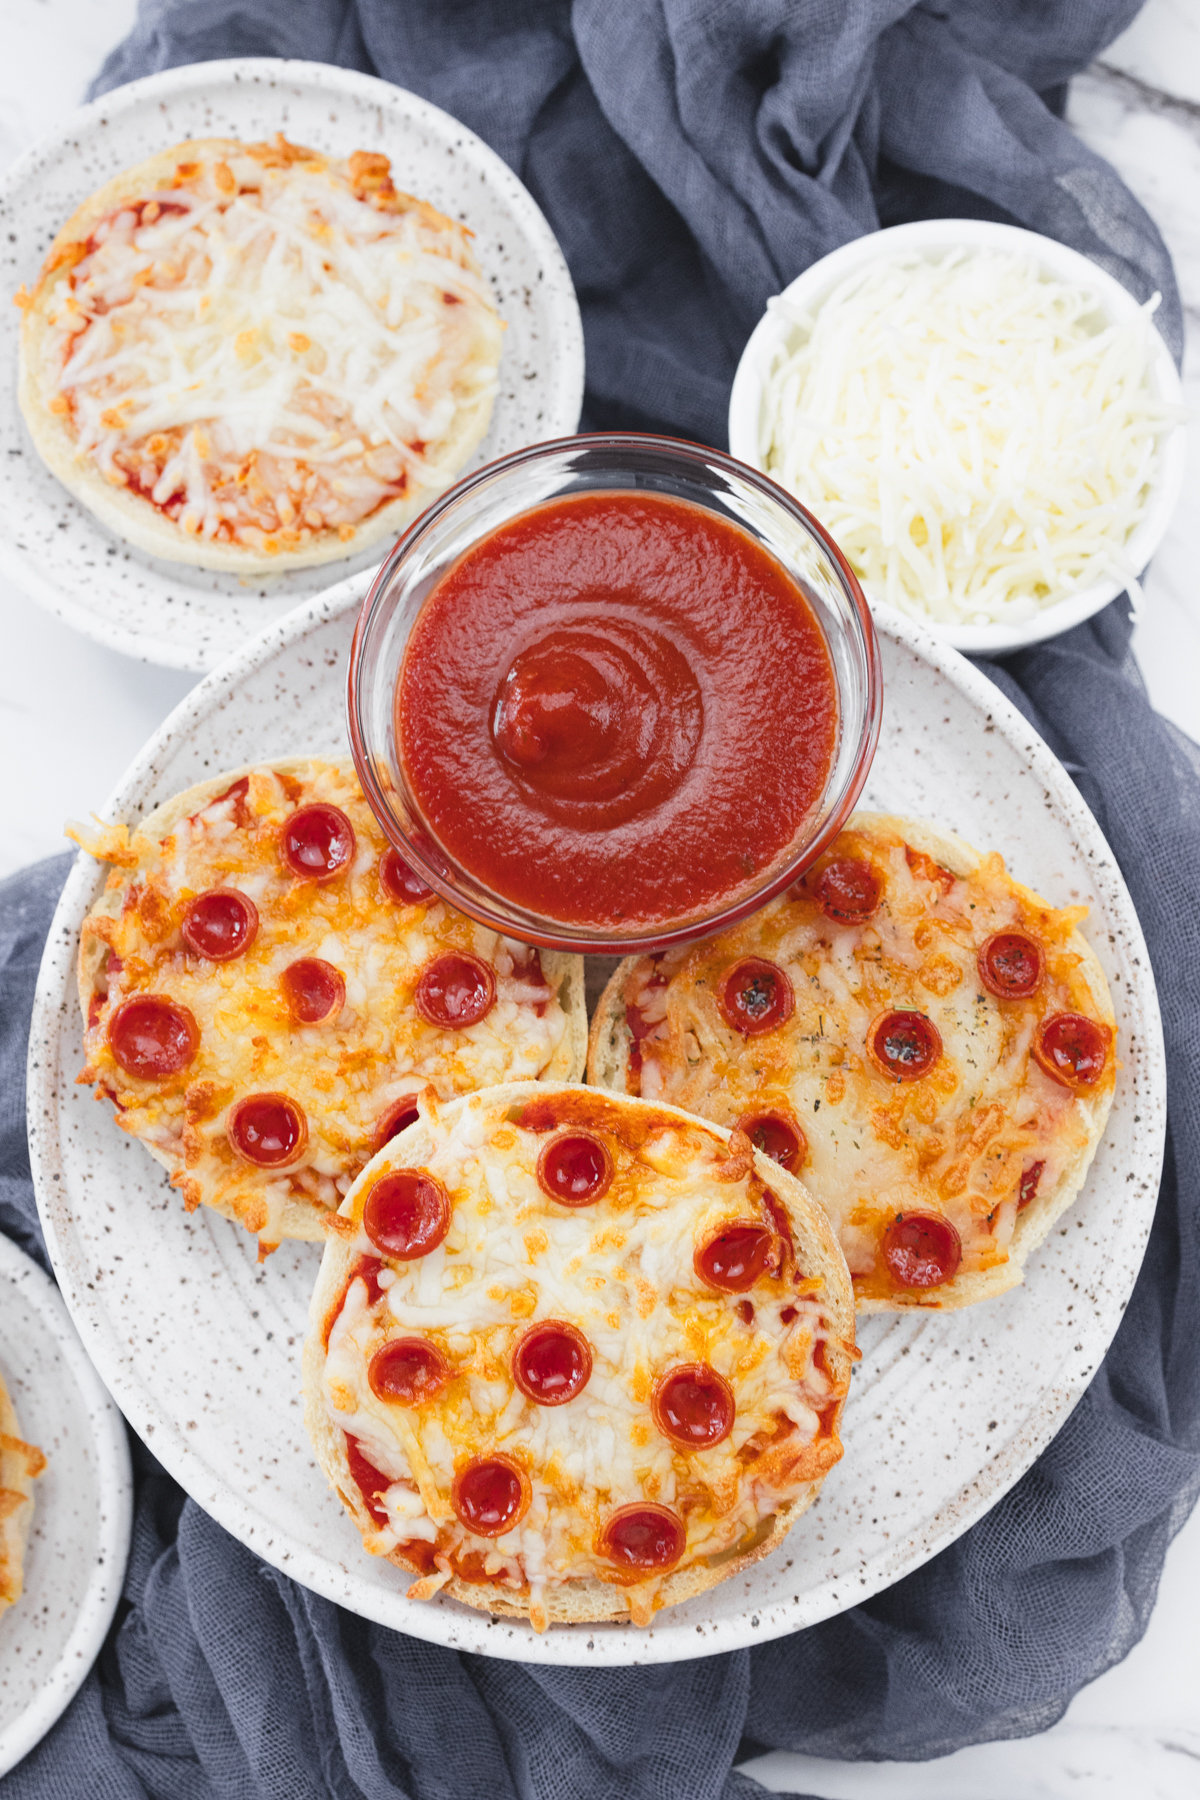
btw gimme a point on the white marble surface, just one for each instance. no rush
(72, 715)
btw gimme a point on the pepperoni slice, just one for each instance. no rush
(735, 1259)
(1030, 1178)
(643, 1537)
(777, 1135)
(755, 996)
(1072, 1049)
(694, 1406)
(407, 1214)
(921, 1250)
(1010, 965)
(314, 990)
(400, 882)
(905, 1045)
(151, 1036)
(575, 1169)
(399, 1116)
(848, 889)
(267, 1129)
(317, 842)
(455, 990)
(552, 1363)
(408, 1370)
(490, 1496)
(220, 924)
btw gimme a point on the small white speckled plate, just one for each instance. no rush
(50, 545)
(79, 1544)
(202, 1347)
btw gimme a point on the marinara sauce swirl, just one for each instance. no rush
(642, 714)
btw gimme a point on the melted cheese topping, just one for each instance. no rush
(621, 1271)
(955, 1143)
(344, 1074)
(980, 441)
(271, 346)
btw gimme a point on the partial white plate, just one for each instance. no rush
(202, 1347)
(161, 612)
(79, 1545)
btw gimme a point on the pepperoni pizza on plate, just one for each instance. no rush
(572, 1356)
(266, 987)
(927, 1044)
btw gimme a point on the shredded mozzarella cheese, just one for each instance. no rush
(976, 436)
(263, 352)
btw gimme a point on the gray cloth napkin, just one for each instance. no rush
(691, 159)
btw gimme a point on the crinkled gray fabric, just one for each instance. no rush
(692, 157)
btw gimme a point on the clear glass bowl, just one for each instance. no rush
(622, 462)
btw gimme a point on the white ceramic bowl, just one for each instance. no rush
(937, 235)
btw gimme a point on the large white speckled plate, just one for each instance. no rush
(50, 545)
(75, 1561)
(202, 1347)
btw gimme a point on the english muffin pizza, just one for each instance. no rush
(254, 356)
(20, 1465)
(573, 1356)
(266, 986)
(926, 1043)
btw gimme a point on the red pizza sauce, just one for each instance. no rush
(616, 710)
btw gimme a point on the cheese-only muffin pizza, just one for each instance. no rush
(575, 1357)
(255, 357)
(266, 987)
(926, 1043)
(20, 1465)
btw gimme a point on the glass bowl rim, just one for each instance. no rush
(546, 933)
